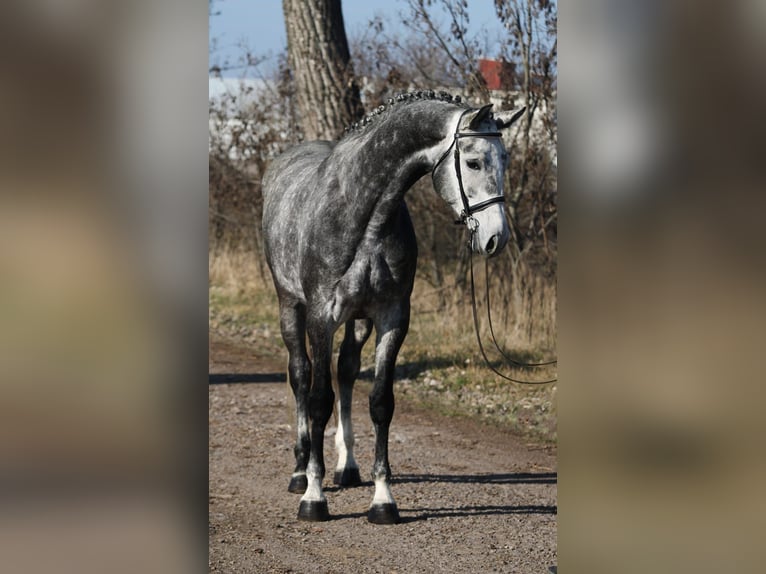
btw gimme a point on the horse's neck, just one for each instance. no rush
(383, 164)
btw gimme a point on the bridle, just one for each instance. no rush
(466, 217)
(468, 209)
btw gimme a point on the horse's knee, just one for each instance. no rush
(299, 368)
(382, 405)
(320, 405)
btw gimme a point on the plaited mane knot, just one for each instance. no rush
(403, 97)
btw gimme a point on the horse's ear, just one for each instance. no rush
(477, 116)
(505, 119)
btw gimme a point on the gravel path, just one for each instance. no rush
(472, 498)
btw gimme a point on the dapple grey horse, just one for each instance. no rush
(341, 248)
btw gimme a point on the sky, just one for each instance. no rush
(260, 26)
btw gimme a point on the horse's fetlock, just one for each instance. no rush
(381, 472)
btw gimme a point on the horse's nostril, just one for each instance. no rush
(491, 245)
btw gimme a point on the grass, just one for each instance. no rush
(242, 306)
(439, 365)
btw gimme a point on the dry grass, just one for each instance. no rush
(440, 365)
(523, 307)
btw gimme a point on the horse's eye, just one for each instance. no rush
(473, 164)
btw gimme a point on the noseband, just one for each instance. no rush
(468, 209)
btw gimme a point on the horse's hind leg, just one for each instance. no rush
(357, 333)
(313, 504)
(391, 330)
(293, 325)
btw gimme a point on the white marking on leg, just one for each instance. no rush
(303, 427)
(314, 488)
(382, 493)
(344, 442)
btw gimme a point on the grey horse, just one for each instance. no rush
(342, 251)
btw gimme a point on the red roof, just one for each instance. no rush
(494, 72)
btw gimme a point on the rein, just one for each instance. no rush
(492, 331)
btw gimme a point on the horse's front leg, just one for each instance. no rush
(391, 329)
(313, 504)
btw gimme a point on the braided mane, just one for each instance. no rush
(404, 97)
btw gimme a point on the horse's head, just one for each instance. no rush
(469, 176)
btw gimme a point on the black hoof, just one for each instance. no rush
(298, 484)
(383, 514)
(313, 511)
(347, 477)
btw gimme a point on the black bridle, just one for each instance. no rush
(468, 209)
(466, 217)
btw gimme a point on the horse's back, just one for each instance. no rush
(293, 166)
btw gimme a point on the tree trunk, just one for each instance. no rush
(327, 94)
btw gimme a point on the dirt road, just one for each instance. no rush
(472, 498)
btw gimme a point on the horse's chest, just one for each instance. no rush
(372, 281)
(379, 279)
(384, 279)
